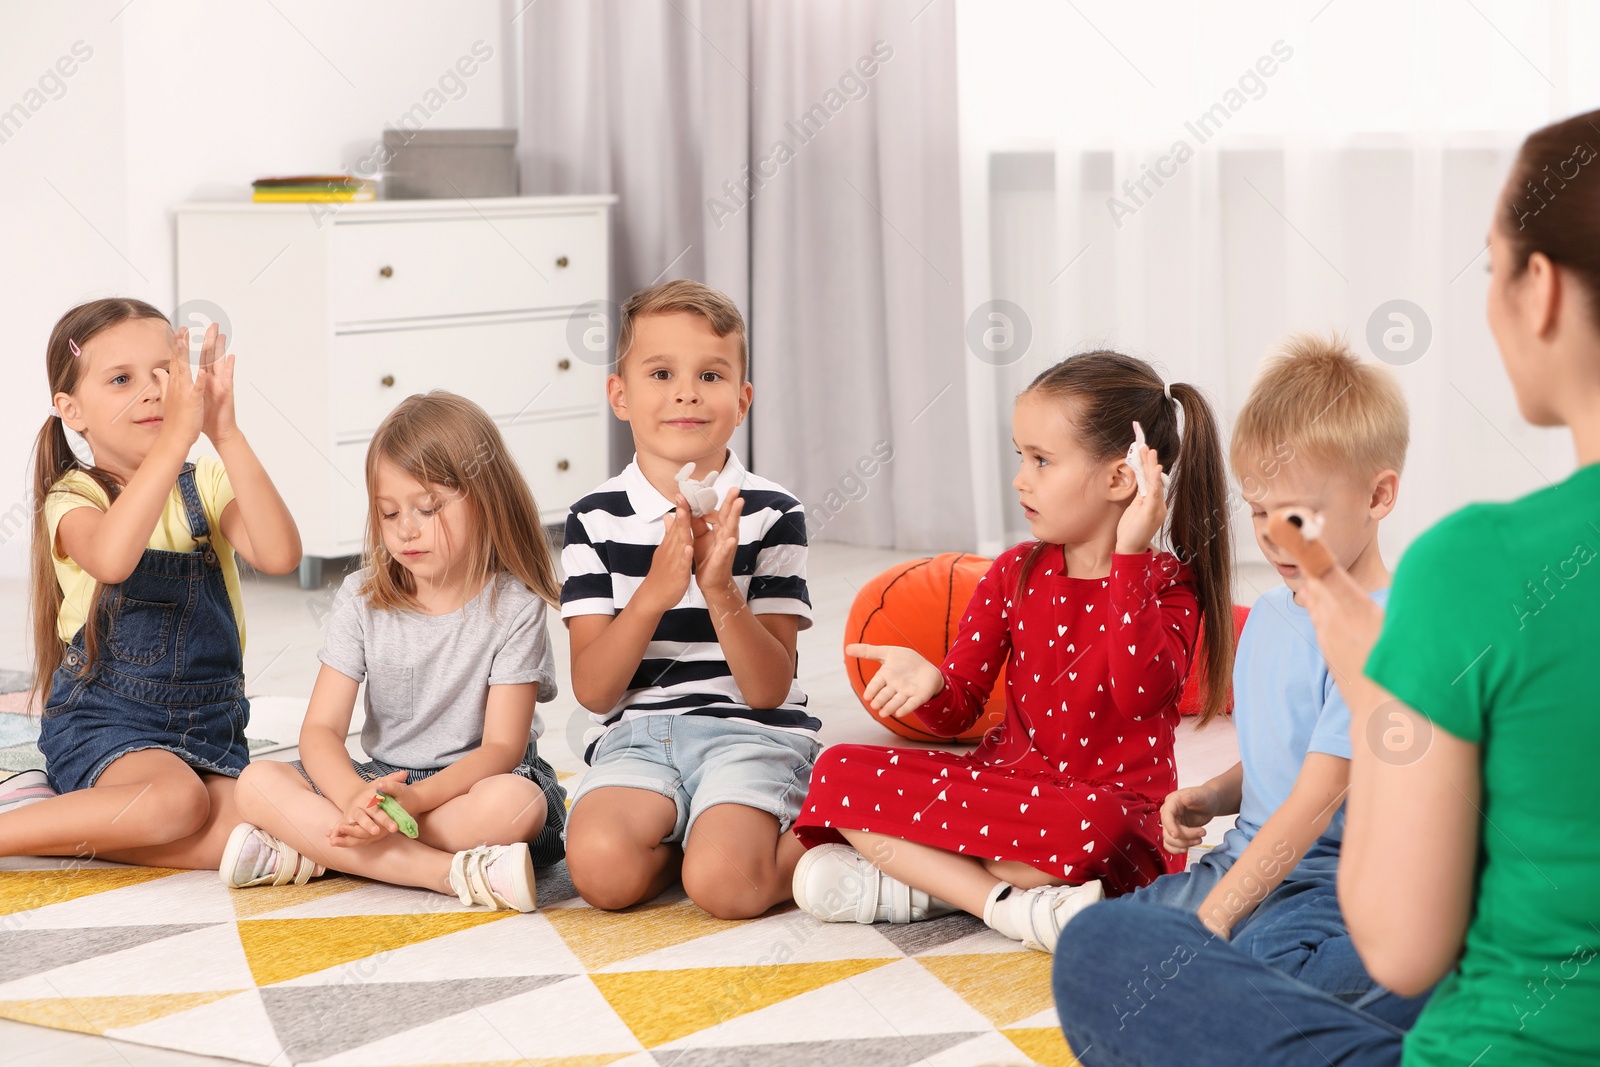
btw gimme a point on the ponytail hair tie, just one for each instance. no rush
(1166, 388)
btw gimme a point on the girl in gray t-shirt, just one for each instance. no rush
(445, 624)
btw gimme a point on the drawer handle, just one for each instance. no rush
(565, 364)
(387, 381)
(562, 261)
(562, 464)
(386, 272)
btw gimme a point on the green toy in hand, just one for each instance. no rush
(391, 807)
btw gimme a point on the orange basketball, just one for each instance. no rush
(919, 604)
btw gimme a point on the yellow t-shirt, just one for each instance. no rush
(171, 534)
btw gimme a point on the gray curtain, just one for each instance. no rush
(801, 157)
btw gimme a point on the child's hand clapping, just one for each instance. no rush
(1184, 815)
(215, 382)
(716, 541)
(904, 682)
(1146, 513)
(182, 399)
(670, 567)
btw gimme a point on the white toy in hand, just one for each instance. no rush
(1136, 461)
(702, 497)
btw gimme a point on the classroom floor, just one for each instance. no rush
(284, 624)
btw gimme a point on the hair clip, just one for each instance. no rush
(74, 346)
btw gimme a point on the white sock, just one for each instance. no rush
(1000, 910)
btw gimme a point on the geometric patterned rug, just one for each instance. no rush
(349, 973)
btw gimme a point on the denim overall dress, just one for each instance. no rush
(169, 673)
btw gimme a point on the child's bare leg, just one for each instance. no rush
(144, 798)
(275, 797)
(960, 880)
(736, 865)
(499, 810)
(199, 851)
(615, 854)
(1022, 875)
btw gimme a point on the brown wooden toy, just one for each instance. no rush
(1296, 530)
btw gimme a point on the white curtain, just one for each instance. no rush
(803, 158)
(1194, 187)
(646, 99)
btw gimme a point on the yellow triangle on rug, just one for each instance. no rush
(281, 949)
(662, 1006)
(1044, 1045)
(263, 899)
(30, 890)
(1006, 987)
(600, 938)
(96, 1015)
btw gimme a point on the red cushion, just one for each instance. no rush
(1192, 702)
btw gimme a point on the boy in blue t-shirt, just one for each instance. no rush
(1324, 432)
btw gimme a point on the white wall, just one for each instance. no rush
(181, 100)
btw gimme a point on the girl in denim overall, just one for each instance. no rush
(137, 631)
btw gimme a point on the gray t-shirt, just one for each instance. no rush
(428, 676)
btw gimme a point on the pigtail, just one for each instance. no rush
(1200, 536)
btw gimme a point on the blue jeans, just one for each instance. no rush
(1136, 985)
(1297, 929)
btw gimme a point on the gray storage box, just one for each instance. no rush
(447, 164)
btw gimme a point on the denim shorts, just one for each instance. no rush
(91, 722)
(698, 761)
(550, 844)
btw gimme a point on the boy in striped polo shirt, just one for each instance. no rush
(683, 632)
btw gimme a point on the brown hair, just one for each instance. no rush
(1557, 211)
(1321, 402)
(697, 298)
(443, 439)
(1107, 393)
(53, 459)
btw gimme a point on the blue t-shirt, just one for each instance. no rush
(1285, 706)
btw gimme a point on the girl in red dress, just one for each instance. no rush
(1060, 804)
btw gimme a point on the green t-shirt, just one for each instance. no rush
(1493, 632)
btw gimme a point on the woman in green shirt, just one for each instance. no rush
(1475, 721)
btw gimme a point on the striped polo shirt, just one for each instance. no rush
(611, 537)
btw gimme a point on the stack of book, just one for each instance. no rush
(313, 188)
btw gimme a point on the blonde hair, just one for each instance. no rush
(684, 294)
(53, 459)
(1317, 399)
(443, 439)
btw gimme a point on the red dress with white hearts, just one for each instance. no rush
(1072, 781)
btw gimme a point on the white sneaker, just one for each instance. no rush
(837, 884)
(496, 876)
(254, 857)
(1036, 917)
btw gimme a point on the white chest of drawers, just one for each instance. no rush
(340, 311)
